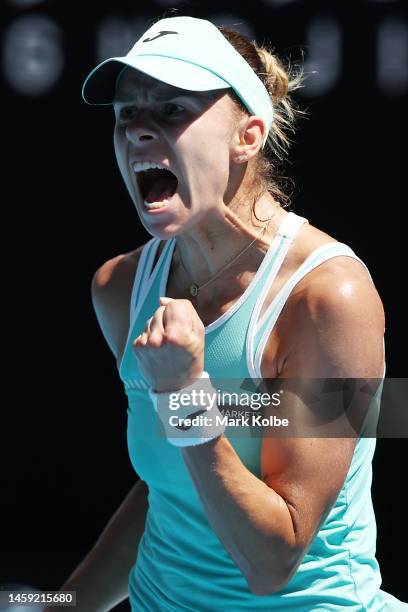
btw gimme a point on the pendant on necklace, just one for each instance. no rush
(194, 289)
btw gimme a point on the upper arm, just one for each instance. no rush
(111, 290)
(336, 332)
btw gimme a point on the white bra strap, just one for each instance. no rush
(286, 235)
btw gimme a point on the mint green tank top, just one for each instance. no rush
(181, 564)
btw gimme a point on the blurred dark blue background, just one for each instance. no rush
(64, 457)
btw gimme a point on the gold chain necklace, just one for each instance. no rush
(195, 287)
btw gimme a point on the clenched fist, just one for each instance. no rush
(171, 346)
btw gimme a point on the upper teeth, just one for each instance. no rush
(142, 166)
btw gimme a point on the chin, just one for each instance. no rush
(163, 232)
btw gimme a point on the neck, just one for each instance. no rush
(204, 250)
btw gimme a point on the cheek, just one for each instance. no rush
(120, 150)
(207, 149)
(120, 147)
(117, 143)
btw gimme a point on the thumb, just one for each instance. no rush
(165, 300)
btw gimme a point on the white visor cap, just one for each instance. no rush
(188, 53)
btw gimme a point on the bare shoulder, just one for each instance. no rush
(340, 299)
(111, 290)
(113, 276)
(335, 316)
(339, 282)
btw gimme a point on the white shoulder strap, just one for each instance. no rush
(282, 242)
(318, 256)
(143, 271)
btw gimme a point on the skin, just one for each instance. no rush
(334, 316)
(208, 216)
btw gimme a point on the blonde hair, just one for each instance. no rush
(280, 81)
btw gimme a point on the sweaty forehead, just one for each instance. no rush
(133, 84)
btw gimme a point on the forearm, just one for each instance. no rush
(101, 579)
(251, 520)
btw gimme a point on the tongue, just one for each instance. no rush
(163, 187)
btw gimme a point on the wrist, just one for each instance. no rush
(190, 416)
(173, 385)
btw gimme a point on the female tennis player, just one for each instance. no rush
(232, 285)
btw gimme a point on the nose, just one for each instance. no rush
(139, 131)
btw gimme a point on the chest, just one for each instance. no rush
(236, 293)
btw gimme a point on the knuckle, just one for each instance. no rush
(171, 337)
(155, 340)
(182, 303)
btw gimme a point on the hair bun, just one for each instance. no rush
(275, 76)
(280, 81)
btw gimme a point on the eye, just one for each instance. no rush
(170, 108)
(126, 113)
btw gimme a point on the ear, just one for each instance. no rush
(249, 139)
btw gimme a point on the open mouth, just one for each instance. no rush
(157, 186)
